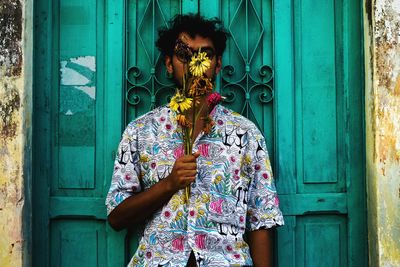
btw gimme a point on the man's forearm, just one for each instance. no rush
(137, 208)
(261, 247)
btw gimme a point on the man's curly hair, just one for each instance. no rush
(192, 24)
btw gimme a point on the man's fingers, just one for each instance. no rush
(186, 173)
(189, 179)
(190, 158)
(188, 166)
(197, 154)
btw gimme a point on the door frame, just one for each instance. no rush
(114, 56)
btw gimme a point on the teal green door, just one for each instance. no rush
(293, 67)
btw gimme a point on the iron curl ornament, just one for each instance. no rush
(246, 89)
(153, 88)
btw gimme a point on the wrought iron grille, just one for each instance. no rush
(246, 77)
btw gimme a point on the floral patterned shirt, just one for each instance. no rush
(234, 189)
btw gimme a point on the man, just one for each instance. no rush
(232, 189)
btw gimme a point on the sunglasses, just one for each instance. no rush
(184, 53)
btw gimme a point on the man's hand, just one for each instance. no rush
(183, 172)
(137, 208)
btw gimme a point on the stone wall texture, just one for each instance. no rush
(11, 132)
(382, 112)
(382, 57)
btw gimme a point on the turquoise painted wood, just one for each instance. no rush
(290, 66)
(319, 132)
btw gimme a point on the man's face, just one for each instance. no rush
(177, 67)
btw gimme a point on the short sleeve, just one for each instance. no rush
(263, 203)
(125, 179)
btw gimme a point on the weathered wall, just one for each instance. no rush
(382, 54)
(382, 58)
(14, 130)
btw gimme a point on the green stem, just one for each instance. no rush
(198, 113)
(193, 117)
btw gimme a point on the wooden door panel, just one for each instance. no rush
(317, 179)
(78, 243)
(321, 240)
(313, 240)
(76, 136)
(77, 99)
(290, 66)
(319, 97)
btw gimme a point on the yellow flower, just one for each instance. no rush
(179, 215)
(240, 245)
(144, 158)
(175, 202)
(246, 160)
(218, 178)
(199, 64)
(205, 198)
(179, 101)
(183, 199)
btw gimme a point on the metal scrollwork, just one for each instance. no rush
(246, 83)
(134, 72)
(227, 71)
(229, 97)
(152, 87)
(163, 95)
(266, 95)
(267, 73)
(132, 97)
(148, 84)
(246, 80)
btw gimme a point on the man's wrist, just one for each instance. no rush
(168, 185)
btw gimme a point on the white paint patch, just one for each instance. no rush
(69, 112)
(89, 90)
(386, 13)
(396, 6)
(71, 77)
(87, 61)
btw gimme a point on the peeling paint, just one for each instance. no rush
(383, 131)
(397, 86)
(86, 61)
(10, 37)
(10, 102)
(11, 137)
(11, 178)
(387, 73)
(387, 41)
(71, 77)
(78, 71)
(89, 90)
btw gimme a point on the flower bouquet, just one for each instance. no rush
(188, 101)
